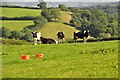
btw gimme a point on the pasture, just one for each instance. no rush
(16, 24)
(18, 12)
(50, 30)
(77, 60)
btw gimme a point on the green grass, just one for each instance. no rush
(18, 12)
(16, 24)
(52, 28)
(78, 60)
(65, 16)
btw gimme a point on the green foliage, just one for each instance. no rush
(55, 14)
(27, 37)
(42, 5)
(100, 23)
(5, 32)
(46, 14)
(13, 42)
(39, 22)
(15, 35)
(62, 7)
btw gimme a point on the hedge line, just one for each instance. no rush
(18, 18)
(94, 40)
(14, 42)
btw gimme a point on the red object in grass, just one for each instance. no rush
(25, 57)
(39, 55)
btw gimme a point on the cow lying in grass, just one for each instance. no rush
(48, 41)
(83, 35)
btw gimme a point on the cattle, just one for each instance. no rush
(61, 36)
(36, 37)
(48, 41)
(83, 35)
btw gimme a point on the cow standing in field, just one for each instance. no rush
(48, 41)
(83, 35)
(36, 37)
(61, 37)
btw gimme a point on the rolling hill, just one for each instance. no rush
(50, 29)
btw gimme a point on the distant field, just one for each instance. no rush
(65, 16)
(16, 24)
(52, 28)
(77, 60)
(18, 12)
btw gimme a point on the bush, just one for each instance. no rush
(18, 18)
(13, 42)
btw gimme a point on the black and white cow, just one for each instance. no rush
(36, 37)
(83, 35)
(61, 36)
(48, 41)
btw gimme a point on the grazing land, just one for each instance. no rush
(75, 60)
(18, 12)
(16, 24)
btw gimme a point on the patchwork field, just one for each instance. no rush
(18, 12)
(77, 60)
(16, 24)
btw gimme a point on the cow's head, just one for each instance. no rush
(34, 34)
(86, 33)
(60, 34)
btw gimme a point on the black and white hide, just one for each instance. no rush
(36, 37)
(83, 35)
(61, 36)
(48, 41)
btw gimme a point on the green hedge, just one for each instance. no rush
(14, 42)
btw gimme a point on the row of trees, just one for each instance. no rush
(100, 23)
(25, 34)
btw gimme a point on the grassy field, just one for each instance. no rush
(16, 24)
(18, 12)
(77, 60)
(65, 16)
(52, 28)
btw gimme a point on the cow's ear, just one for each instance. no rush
(32, 32)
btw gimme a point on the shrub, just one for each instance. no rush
(13, 42)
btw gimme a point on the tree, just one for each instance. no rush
(55, 13)
(42, 5)
(15, 35)
(39, 22)
(62, 7)
(46, 14)
(27, 37)
(5, 32)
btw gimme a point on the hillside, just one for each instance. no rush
(50, 29)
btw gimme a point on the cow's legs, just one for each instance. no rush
(35, 41)
(84, 39)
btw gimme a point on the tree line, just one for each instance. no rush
(100, 22)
